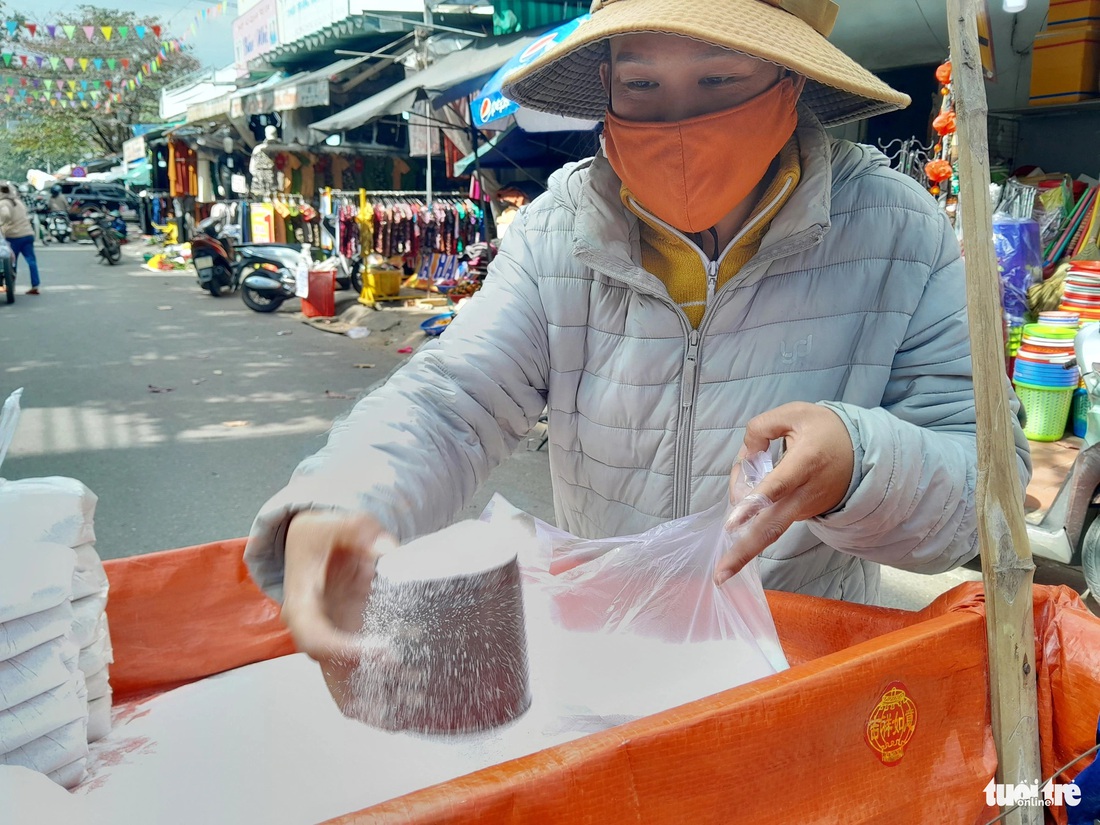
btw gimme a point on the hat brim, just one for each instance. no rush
(566, 80)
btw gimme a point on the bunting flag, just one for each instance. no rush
(70, 31)
(55, 62)
(72, 84)
(107, 31)
(84, 64)
(12, 27)
(140, 32)
(84, 85)
(31, 27)
(89, 32)
(98, 63)
(123, 31)
(39, 60)
(51, 31)
(70, 63)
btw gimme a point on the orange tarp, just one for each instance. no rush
(883, 716)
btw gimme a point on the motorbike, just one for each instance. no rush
(264, 272)
(103, 231)
(7, 270)
(59, 226)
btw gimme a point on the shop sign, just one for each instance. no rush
(133, 150)
(78, 172)
(254, 33)
(386, 6)
(297, 18)
(302, 95)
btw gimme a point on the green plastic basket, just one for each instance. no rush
(1047, 410)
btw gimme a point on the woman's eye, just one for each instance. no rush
(716, 81)
(640, 85)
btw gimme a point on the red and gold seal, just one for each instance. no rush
(892, 724)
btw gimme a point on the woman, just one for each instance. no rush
(16, 227)
(722, 275)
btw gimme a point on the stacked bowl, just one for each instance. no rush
(1082, 290)
(1045, 376)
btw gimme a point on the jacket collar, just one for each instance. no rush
(606, 234)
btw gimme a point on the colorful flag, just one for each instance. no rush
(83, 64)
(98, 63)
(123, 31)
(31, 27)
(70, 31)
(140, 32)
(107, 31)
(51, 31)
(89, 32)
(70, 63)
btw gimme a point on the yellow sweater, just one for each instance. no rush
(679, 265)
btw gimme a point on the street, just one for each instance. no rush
(185, 412)
(181, 411)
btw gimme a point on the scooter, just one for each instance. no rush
(101, 229)
(267, 291)
(1069, 531)
(263, 271)
(7, 270)
(221, 263)
(59, 226)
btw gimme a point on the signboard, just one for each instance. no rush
(133, 150)
(78, 172)
(387, 6)
(263, 223)
(302, 95)
(297, 18)
(254, 33)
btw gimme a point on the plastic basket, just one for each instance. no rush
(1047, 411)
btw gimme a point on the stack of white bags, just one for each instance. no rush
(55, 648)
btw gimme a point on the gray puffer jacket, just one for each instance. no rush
(855, 300)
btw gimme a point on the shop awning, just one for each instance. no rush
(216, 109)
(465, 67)
(300, 91)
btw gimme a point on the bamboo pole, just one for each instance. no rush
(1007, 567)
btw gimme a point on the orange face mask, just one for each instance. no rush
(692, 173)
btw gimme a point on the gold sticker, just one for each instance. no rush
(892, 724)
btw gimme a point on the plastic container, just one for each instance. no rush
(1080, 416)
(320, 302)
(1047, 411)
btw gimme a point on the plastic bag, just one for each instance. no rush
(658, 584)
(1020, 260)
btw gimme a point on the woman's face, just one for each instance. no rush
(664, 77)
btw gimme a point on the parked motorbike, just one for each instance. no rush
(59, 226)
(7, 270)
(266, 291)
(101, 228)
(264, 272)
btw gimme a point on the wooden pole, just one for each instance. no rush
(1007, 567)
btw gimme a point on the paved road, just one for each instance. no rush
(184, 412)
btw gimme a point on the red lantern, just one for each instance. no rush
(944, 124)
(938, 170)
(943, 73)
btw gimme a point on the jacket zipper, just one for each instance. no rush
(689, 391)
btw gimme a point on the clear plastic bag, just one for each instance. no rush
(659, 584)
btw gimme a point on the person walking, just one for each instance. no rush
(17, 229)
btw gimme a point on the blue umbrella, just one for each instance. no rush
(491, 107)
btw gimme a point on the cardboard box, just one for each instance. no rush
(1073, 13)
(1065, 65)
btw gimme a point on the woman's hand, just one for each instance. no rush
(329, 567)
(812, 478)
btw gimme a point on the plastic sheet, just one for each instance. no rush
(793, 745)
